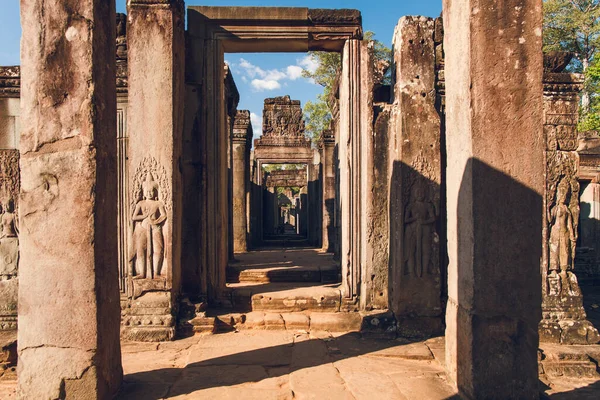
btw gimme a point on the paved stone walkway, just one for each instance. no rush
(295, 365)
(280, 365)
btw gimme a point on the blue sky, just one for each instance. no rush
(259, 76)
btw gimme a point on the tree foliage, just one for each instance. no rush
(590, 120)
(317, 114)
(317, 117)
(574, 25)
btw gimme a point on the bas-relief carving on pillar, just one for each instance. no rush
(563, 216)
(563, 316)
(421, 241)
(149, 204)
(9, 238)
(415, 176)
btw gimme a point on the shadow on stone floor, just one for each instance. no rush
(590, 391)
(275, 362)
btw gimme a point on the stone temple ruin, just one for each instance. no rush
(133, 200)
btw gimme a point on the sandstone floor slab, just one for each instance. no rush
(283, 365)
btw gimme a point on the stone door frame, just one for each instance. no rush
(259, 163)
(212, 31)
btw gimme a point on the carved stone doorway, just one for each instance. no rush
(213, 31)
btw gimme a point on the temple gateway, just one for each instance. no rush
(137, 203)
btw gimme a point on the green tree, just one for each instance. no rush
(317, 117)
(574, 25)
(590, 120)
(317, 114)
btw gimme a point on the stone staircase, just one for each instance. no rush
(292, 290)
(572, 361)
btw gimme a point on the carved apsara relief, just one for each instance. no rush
(420, 216)
(562, 216)
(9, 230)
(150, 203)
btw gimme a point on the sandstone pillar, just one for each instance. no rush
(69, 295)
(415, 179)
(356, 171)
(241, 144)
(231, 99)
(563, 317)
(328, 190)
(495, 183)
(156, 46)
(315, 216)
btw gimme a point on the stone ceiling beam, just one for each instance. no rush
(275, 29)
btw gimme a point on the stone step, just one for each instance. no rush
(244, 273)
(561, 352)
(570, 369)
(337, 322)
(285, 297)
(573, 361)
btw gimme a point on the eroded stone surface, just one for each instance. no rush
(493, 69)
(155, 33)
(563, 316)
(68, 299)
(415, 178)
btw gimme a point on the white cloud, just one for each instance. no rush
(274, 75)
(251, 70)
(263, 84)
(309, 63)
(271, 79)
(256, 121)
(294, 72)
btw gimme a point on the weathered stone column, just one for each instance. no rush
(495, 184)
(155, 37)
(69, 294)
(328, 190)
(356, 171)
(564, 319)
(242, 142)
(415, 179)
(10, 183)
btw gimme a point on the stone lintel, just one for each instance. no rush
(282, 29)
(157, 3)
(283, 154)
(286, 178)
